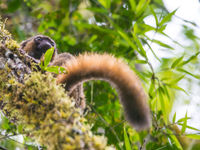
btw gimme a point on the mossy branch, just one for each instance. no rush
(34, 100)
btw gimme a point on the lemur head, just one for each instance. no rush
(37, 45)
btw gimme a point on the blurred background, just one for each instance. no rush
(158, 39)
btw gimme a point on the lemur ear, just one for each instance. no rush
(23, 43)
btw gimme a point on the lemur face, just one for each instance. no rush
(36, 46)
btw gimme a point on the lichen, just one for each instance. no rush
(5, 37)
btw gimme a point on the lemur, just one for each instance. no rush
(96, 67)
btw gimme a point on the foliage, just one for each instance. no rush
(119, 27)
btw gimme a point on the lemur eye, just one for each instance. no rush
(38, 39)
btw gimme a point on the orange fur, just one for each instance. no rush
(105, 67)
(28, 47)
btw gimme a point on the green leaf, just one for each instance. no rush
(174, 140)
(189, 127)
(163, 44)
(152, 51)
(161, 99)
(162, 28)
(184, 124)
(105, 3)
(145, 28)
(129, 41)
(193, 136)
(48, 56)
(182, 119)
(177, 87)
(133, 5)
(56, 69)
(183, 70)
(176, 80)
(98, 10)
(154, 14)
(126, 140)
(167, 18)
(176, 62)
(141, 7)
(92, 39)
(140, 61)
(152, 87)
(53, 69)
(171, 39)
(190, 59)
(174, 118)
(166, 91)
(142, 51)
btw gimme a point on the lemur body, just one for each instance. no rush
(104, 67)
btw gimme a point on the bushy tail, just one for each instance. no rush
(105, 67)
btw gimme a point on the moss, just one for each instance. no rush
(45, 109)
(6, 39)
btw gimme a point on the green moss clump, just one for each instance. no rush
(48, 114)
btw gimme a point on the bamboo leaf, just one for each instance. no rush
(141, 7)
(177, 87)
(184, 124)
(193, 136)
(126, 140)
(167, 18)
(189, 127)
(176, 62)
(146, 42)
(176, 80)
(129, 41)
(133, 5)
(140, 61)
(182, 119)
(163, 44)
(174, 140)
(105, 3)
(98, 10)
(190, 59)
(183, 70)
(142, 51)
(166, 91)
(151, 88)
(145, 28)
(161, 100)
(174, 118)
(154, 14)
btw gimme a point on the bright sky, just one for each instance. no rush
(188, 10)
